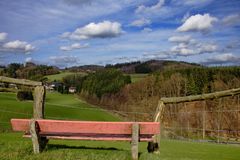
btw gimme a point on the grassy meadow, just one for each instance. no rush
(59, 76)
(58, 106)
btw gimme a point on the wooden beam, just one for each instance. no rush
(20, 81)
(62, 126)
(38, 105)
(135, 140)
(226, 93)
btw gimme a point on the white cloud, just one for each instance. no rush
(231, 20)
(17, 46)
(180, 39)
(147, 9)
(207, 48)
(105, 29)
(29, 59)
(185, 49)
(226, 58)
(141, 22)
(3, 36)
(198, 23)
(74, 46)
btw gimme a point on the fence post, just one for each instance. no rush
(135, 140)
(158, 118)
(39, 98)
(38, 142)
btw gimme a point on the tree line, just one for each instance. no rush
(28, 71)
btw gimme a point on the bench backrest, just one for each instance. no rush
(95, 127)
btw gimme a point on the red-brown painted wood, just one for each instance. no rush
(60, 126)
(98, 138)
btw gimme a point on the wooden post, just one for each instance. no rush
(38, 142)
(39, 98)
(135, 140)
(158, 118)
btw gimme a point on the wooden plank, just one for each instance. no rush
(20, 81)
(39, 98)
(94, 138)
(230, 92)
(60, 126)
(135, 140)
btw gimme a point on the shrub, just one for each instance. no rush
(24, 95)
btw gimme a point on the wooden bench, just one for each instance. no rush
(43, 129)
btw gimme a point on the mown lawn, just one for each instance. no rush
(13, 146)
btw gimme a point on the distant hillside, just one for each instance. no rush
(85, 68)
(152, 66)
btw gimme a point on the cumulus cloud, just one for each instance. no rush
(105, 29)
(231, 20)
(197, 22)
(180, 39)
(17, 46)
(226, 58)
(74, 46)
(147, 9)
(184, 49)
(3, 36)
(141, 22)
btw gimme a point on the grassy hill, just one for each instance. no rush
(59, 76)
(58, 106)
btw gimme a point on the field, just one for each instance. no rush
(58, 106)
(59, 76)
(137, 77)
(13, 146)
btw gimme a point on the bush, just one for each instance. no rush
(24, 95)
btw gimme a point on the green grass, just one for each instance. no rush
(13, 146)
(137, 77)
(59, 76)
(58, 106)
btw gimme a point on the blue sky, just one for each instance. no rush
(77, 32)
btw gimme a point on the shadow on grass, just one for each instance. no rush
(60, 146)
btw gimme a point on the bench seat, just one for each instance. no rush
(88, 130)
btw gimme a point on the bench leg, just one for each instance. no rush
(156, 144)
(135, 140)
(38, 142)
